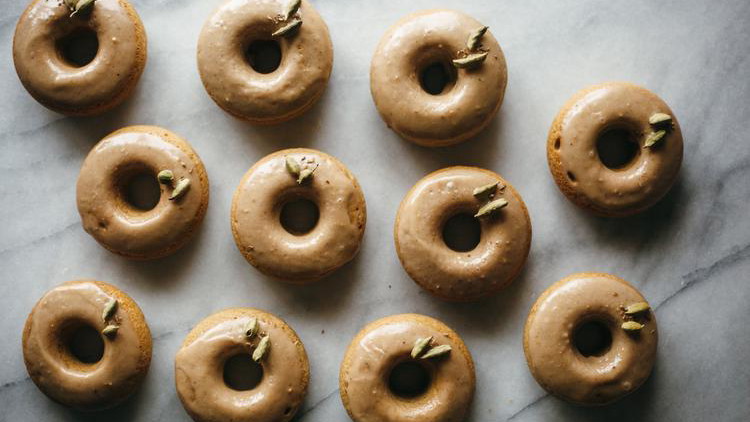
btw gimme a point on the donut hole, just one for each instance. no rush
(462, 232)
(592, 338)
(242, 373)
(436, 77)
(139, 188)
(299, 216)
(83, 342)
(409, 379)
(264, 56)
(79, 47)
(617, 147)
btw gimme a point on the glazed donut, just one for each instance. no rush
(259, 202)
(240, 332)
(68, 84)
(630, 181)
(430, 41)
(265, 96)
(383, 379)
(118, 225)
(458, 275)
(603, 370)
(78, 375)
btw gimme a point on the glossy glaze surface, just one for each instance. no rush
(101, 84)
(503, 245)
(298, 258)
(302, 75)
(555, 361)
(464, 107)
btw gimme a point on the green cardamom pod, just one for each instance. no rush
(654, 137)
(251, 329)
(180, 189)
(491, 207)
(166, 177)
(475, 37)
(631, 326)
(659, 118)
(291, 8)
(472, 60)
(262, 349)
(110, 330)
(287, 29)
(437, 351)
(306, 174)
(109, 309)
(292, 166)
(636, 308)
(419, 346)
(82, 6)
(485, 190)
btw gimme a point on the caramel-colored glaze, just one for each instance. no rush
(379, 347)
(461, 276)
(553, 358)
(464, 107)
(123, 228)
(199, 367)
(99, 85)
(64, 378)
(288, 91)
(574, 160)
(298, 258)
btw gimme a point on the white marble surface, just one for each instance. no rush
(690, 255)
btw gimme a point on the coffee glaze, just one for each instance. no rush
(99, 85)
(285, 93)
(379, 347)
(298, 258)
(121, 227)
(464, 107)
(199, 367)
(555, 361)
(60, 375)
(461, 276)
(574, 161)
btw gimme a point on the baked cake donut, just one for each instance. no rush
(209, 367)
(233, 46)
(615, 149)
(480, 198)
(294, 179)
(86, 345)
(407, 367)
(79, 57)
(590, 339)
(122, 159)
(438, 77)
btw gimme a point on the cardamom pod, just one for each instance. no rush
(251, 329)
(654, 137)
(109, 309)
(110, 330)
(291, 8)
(631, 326)
(472, 60)
(306, 173)
(82, 6)
(485, 190)
(292, 166)
(182, 186)
(262, 349)
(419, 346)
(437, 351)
(659, 118)
(475, 37)
(636, 308)
(166, 177)
(287, 29)
(491, 207)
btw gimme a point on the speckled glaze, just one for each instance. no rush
(200, 362)
(574, 161)
(256, 209)
(123, 228)
(553, 358)
(465, 107)
(461, 276)
(96, 87)
(290, 90)
(61, 376)
(379, 347)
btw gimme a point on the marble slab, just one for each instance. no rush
(689, 255)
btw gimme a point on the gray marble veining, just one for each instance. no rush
(689, 255)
